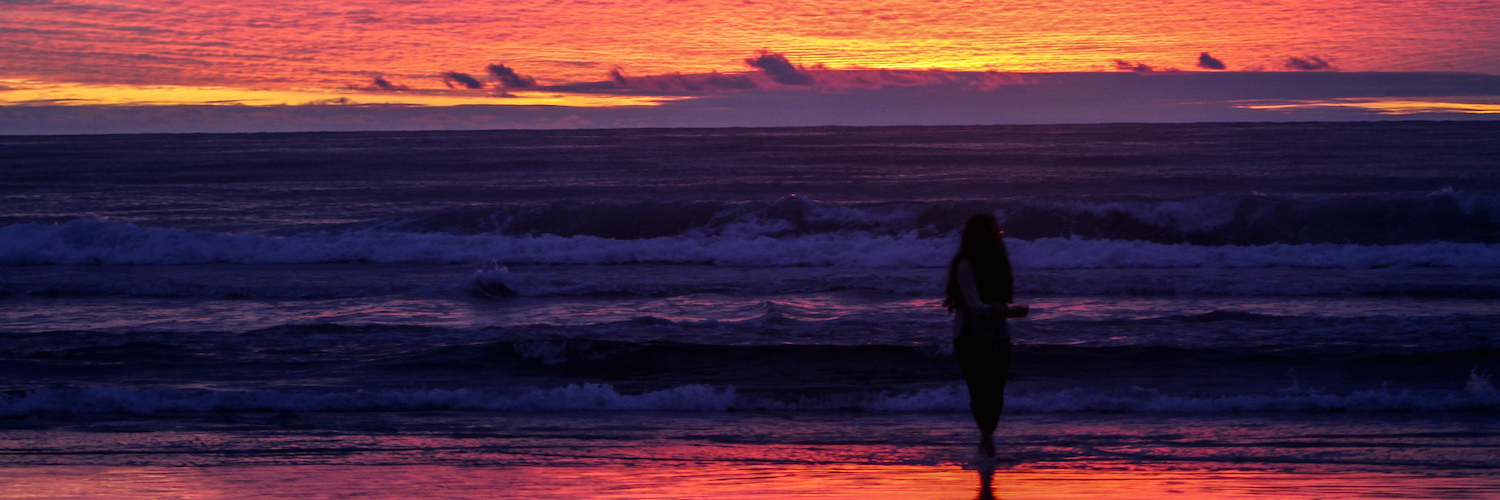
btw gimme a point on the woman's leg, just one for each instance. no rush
(986, 365)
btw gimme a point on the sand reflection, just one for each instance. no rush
(723, 480)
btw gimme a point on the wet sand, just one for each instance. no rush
(732, 481)
(689, 455)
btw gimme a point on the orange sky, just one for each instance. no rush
(286, 52)
(283, 44)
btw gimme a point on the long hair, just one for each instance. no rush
(982, 246)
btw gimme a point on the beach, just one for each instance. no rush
(1302, 310)
(674, 455)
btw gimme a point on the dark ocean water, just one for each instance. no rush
(1202, 268)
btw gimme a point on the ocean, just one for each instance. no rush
(624, 313)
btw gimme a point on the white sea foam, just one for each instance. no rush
(1199, 214)
(1472, 204)
(599, 397)
(101, 242)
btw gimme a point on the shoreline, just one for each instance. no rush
(732, 481)
(641, 454)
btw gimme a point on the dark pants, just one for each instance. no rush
(986, 364)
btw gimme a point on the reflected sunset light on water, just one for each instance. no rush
(682, 249)
(718, 481)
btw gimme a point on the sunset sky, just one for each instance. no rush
(80, 66)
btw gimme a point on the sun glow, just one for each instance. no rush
(286, 44)
(1394, 106)
(41, 93)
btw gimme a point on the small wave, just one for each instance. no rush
(100, 242)
(773, 312)
(499, 282)
(95, 242)
(704, 398)
(505, 284)
(1205, 220)
(1217, 315)
(788, 216)
(166, 400)
(1072, 253)
(1139, 400)
(203, 290)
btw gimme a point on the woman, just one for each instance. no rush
(979, 292)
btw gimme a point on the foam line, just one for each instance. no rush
(101, 242)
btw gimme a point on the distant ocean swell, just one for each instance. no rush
(502, 283)
(1203, 220)
(207, 290)
(1479, 396)
(95, 242)
(608, 345)
(390, 358)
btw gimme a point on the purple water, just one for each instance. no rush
(1256, 272)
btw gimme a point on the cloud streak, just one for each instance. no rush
(453, 79)
(673, 83)
(1206, 61)
(1123, 65)
(821, 79)
(779, 69)
(383, 84)
(734, 82)
(509, 78)
(925, 98)
(1307, 63)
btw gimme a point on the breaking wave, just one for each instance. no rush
(1204, 220)
(96, 242)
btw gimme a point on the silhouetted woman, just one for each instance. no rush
(979, 292)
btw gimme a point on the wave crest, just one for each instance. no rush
(602, 397)
(95, 242)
